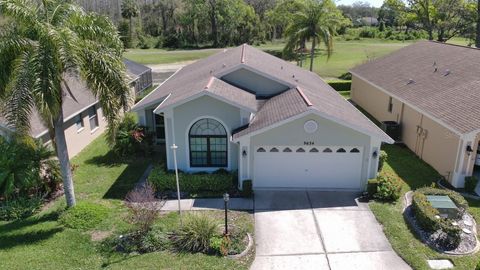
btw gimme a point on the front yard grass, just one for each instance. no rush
(41, 242)
(414, 173)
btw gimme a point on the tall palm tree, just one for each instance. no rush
(44, 42)
(129, 11)
(314, 21)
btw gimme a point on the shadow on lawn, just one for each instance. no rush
(9, 237)
(414, 172)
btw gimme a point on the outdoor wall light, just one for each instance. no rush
(244, 153)
(375, 154)
(469, 150)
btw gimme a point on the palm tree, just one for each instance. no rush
(130, 11)
(315, 21)
(44, 42)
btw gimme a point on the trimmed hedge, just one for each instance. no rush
(382, 159)
(340, 85)
(247, 188)
(389, 188)
(372, 186)
(426, 215)
(220, 181)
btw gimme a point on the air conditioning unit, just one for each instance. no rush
(393, 129)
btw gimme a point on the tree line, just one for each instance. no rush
(219, 23)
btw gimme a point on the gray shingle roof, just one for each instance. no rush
(451, 94)
(193, 78)
(134, 69)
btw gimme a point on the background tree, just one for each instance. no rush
(46, 42)
(130, 11)
(317, 22)
(477, 39)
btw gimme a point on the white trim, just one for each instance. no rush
(409, 104)
(316, 112)
(94, 130)
(199, 95)
(137, 108)
(187, 145)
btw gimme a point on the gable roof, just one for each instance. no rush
(188, 81)
(440, 80)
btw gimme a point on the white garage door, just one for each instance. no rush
(327, 167)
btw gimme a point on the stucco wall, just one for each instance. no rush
(440, 146)
(329, 133)
(185, 115)
(374, 101)
(247, 79)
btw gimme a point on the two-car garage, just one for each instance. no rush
(321, 167)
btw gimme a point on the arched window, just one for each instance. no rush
(300, 150)
(314, 150)
(274, 149)
(261, 150)
(287, 150)
(341, 150)
(327, 150)
(208, 144)
(355, 150)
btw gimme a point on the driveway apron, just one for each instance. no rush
(319, 230)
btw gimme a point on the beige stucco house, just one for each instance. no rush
(84, 120)
(274, 123)
(433, 91)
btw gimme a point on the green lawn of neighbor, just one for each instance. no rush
(414, 173)
(40, 242)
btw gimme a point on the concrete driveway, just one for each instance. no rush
(319, 230)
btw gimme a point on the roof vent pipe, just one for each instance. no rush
(447, 72)
(410, 81)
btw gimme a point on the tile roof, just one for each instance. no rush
(440, 80)
(193, 78)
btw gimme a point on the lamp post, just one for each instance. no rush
(174, 148)
(226, 198)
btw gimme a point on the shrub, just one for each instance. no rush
(372, 186)
(220, 245)
(247, 188)
(130, 137)
(154, 240)
(471, 183)
(84, 215)
(165, 181)
(478, 266)
(340, 85)
(382, 159)
(388, 188)
(195, 233)
(143, 207)
(20, 208)
(426, 215)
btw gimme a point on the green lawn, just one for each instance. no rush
(414, 173)
(40, 242)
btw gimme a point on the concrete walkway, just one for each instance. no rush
(208, 204)
(319, 230)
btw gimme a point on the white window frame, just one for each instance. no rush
(79, 123)
(94, 116)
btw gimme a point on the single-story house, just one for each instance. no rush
(140, 75)
(84, 119)
(275, 123)
(433, 91)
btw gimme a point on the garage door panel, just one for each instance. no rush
(324, 170)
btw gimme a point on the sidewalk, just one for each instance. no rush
(208, 204)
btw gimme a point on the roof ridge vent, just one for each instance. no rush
(243, 53)
(304, 97)
(209, 84)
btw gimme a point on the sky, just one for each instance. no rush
(375, 3)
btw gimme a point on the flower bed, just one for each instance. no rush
(454, 234)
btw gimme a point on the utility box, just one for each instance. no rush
(444, 205)
(393, 129)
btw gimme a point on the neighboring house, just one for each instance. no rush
(433, 90)
(84, 119)
(140, 75)
(276, 123)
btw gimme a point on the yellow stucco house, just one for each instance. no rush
(433, 91)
